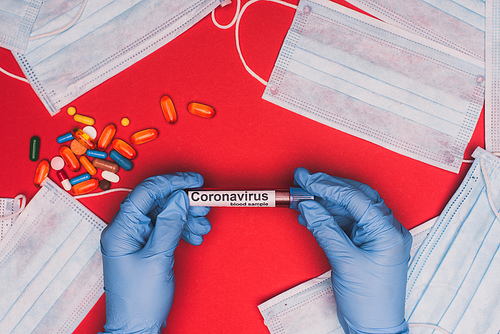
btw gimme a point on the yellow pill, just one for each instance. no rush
(125, 121)
(71, 111)
(84, 119)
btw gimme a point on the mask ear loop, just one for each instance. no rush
(237, 34)
(103, 193)
(430, 326)
(14, 76)
(14, 215)
(233, 21)
(64, 28)
(465, 161)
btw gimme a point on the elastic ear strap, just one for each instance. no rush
(465, 161)
(429, 326)
(233, 21)
(237, 33)
(14, 76)
(66, 27)
(103, 192)
(22, 205)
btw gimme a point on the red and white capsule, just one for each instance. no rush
(64, 179)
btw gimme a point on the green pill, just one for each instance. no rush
(34, 148)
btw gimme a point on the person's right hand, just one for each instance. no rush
(367, 248)
(138, 251)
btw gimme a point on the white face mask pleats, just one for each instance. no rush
(458, 24)
(378, 82)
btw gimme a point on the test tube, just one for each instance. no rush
(248, 198)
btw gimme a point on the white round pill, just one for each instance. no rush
(91, 131)
(57, 163)
(111, 177)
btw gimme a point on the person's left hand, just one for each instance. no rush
(138, 251)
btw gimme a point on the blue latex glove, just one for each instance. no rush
(368, 250)
(138, 251)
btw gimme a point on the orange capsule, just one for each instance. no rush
(124, 149)
(85, 187)
(69, 158)
(106, 137)
(202, 110)
(42, 171)
(143, 136)
(167, 106)
(83, 138)
(87, 165)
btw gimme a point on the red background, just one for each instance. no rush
(251, 254)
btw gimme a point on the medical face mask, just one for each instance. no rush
(108, 37)
(310, 307)
(50, 265)
(454, 279)
(16, 21)
(378, 82)
(492, 102)
(458, 24)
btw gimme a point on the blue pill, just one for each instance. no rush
(65, 138)
(121, 160)
(97, 154)
(79, 178)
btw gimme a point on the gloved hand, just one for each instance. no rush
(138, 251)
(368, 250)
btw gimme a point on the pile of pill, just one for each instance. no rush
(81, 147)
(83, 144)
